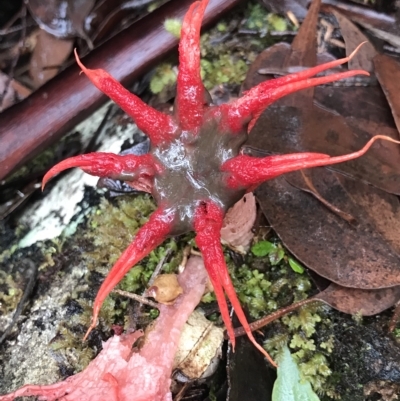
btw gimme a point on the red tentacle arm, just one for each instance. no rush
(158, 126)
(151, 235)
(302, 75)
(251, 106)
(122, 167)
(255, 100)
(190, 90)
(248, 171)
(208, 224)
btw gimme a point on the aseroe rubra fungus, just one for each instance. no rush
(195, 170)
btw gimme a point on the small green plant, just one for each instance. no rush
(289, 385)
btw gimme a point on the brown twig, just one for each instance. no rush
(258, 324)
(138, 298)
(53, 110)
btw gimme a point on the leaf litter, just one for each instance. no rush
(332, 219)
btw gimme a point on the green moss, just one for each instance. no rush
(10, 292)
(209, 297)
(222, 26)
(267, 282)
(173, 26)
(225, 69)
(70, 347)
(113, 229)
(164, 77)
(225, 58)
(260, 20)
(304, 331)
(277, 23)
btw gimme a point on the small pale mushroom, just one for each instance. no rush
(165, 289)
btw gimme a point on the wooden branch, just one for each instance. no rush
(44, 117)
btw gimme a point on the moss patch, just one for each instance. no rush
(267, 281)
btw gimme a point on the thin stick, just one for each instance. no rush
(258, 324)
(139, 298)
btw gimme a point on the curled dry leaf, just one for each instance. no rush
(238, 222)
(199, 347)
(382, 25)
(386, 69)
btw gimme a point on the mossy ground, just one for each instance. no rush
(102, 238)
(266, 282)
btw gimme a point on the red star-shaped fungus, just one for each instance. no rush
(195, 170)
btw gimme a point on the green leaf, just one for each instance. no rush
(288, 386)
(263, 248)
(296, 266)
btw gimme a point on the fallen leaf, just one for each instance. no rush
(350, 115)
(107, 17)
(353, 37)
(355, 301)
(387, 71)
(238, 222)
(382, 25)
(48, 56)
(361, 256)
(330, 218)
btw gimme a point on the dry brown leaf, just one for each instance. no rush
(354, 301)
(362, 250)
(47, 57)
(238, 222)
(11, 91)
